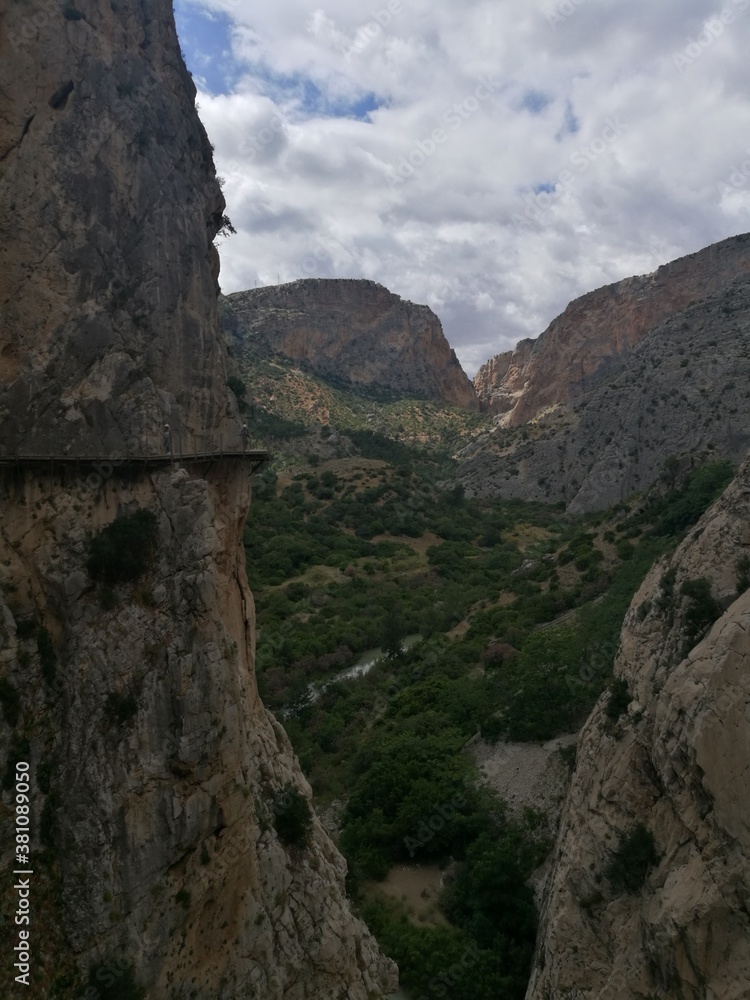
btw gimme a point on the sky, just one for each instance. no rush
(492, 159)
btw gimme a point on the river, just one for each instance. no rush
(362, 666)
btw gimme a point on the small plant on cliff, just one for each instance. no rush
(120, 708)
(292, 816)
(123, 550)
(743, 574)
(113, 979)
(619, 698)
(635, 854)
(704, 610)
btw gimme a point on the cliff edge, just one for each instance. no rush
(674, 923)
(353, 331)
(166, 853)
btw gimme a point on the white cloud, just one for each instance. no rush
(514, 155)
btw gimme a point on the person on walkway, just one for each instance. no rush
(166, 437)
(245, 436)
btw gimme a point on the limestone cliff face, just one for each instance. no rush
(108, 208)
(157, 774)
(681, 391)
(677, 761)
(354, 331)
(164, 767)
(599, 326)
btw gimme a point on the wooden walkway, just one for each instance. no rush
(130, 463)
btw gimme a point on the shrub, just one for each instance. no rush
(704, 610)
(10, 700)
(123, 550)
(120, 708)
(635, 854)
(292, 816)
(110, 979)
(619, 699)
(743, 574)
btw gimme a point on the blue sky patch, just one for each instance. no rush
(205, 39)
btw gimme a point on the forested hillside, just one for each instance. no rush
(511, 613)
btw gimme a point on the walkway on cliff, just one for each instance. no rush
(129, 463)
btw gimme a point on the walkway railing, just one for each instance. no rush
(253, 456)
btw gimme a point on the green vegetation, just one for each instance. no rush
(10, 701)
(292, 817)
(123, 550)
(350, 555)
(703, 610)
(635, 855)
(120, 708)
(619, 699)
(114, 979)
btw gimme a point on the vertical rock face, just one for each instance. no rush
(678, 762)
(157, 775)
(600, 326)
(355, 331)
(108, 208)
(682, 391)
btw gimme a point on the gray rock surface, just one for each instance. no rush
(684, 390)
(677, 761)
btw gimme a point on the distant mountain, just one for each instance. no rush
(351, 332)
(600, 327)
(601, 425)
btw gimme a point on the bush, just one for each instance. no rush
(704, 610)
(10, 700)
(123, 550)
(635, 854)
(120, 708)
(619, 699)
(292, 816)
(113, 980)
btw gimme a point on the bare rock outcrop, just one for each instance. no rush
(165, 774)
(108, 208)
(678, 762)
(352, 331)
(682, 391)
(599, 326)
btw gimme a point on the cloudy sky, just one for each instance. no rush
(493, 159)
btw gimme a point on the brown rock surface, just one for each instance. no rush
(108, 208)
(353, 331)
(677, 761)
(598, 327)
(156, 772)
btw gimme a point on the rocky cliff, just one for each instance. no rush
(681, 391)
(352, 331)
(676, 761)
(160, 784)
(108, 208)
(597, 328)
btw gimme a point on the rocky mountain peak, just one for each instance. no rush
(353, 331)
